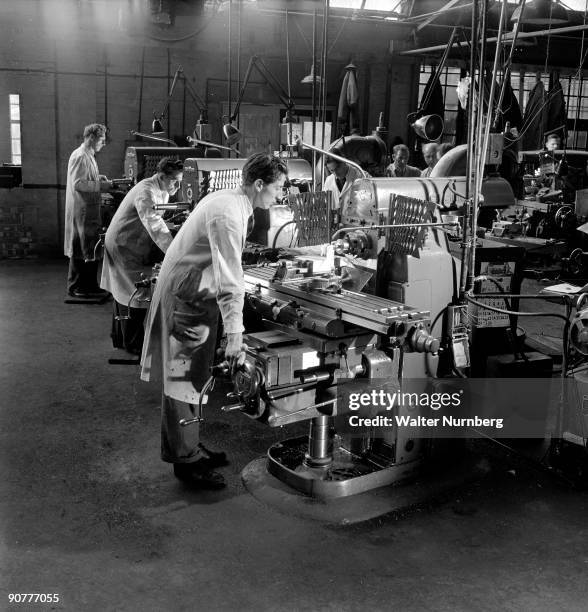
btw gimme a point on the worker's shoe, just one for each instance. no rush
(214, 459)
(88, 295)
(199, 475)
(78, 293)
(98, 292)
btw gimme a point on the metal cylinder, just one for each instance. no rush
(315, 377)
(320, 443)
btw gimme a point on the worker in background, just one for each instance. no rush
(442, 148)
(82, 214)
(201, 275)
(549, 161)
(339, 181)
(430, 156)
(552, 142)
(399, 165)
(136, 240)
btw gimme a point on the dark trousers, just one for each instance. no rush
(127, 333)
(178, 444)
(82, 276)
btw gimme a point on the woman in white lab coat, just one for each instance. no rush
(137, 238)
(201, 275)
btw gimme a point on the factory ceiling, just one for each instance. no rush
(431, 21)
(421, 28)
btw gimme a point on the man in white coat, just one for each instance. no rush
(339, 182)
(201, 275)
(82, 213)
(136, 240)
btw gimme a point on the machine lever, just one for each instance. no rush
(233, 407)
(186, 422)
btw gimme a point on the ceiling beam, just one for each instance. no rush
(430, 17)
(507, 38)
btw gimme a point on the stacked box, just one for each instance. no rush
(16, 238)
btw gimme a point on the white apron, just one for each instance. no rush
(136, 239)
(82, 205)
(200, 275)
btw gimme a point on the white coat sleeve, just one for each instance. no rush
(226, 235)
(152, 221)
(79, 171)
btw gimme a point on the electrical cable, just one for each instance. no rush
(332, 46)
(453, 191)
(470, 299)
(437, 73)
(581, 63)
(507, 63)
(275, 240)
(547, 99)
(427, 354)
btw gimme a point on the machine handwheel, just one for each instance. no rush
(574, 262)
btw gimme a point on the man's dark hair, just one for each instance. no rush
(335, 162)
(170, 166)
(97, 130)
(263, 166)
(444, 147)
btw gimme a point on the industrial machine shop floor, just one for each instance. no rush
(88, 511)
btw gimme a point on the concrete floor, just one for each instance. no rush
(89, 511)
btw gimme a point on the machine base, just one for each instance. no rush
(352, 509)
(345, 475)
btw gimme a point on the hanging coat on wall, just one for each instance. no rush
(510, 111)
(555, 115)
(348, 110)
(532, 129)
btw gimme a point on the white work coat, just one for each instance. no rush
(135, 240)
(82, 205)
(340, 197)
(200, 275)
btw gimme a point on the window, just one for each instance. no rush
(15, 149)
(393, 8)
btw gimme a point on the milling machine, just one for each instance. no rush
(313, 342)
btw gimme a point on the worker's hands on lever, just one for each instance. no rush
(105, 183)
(235, 351)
